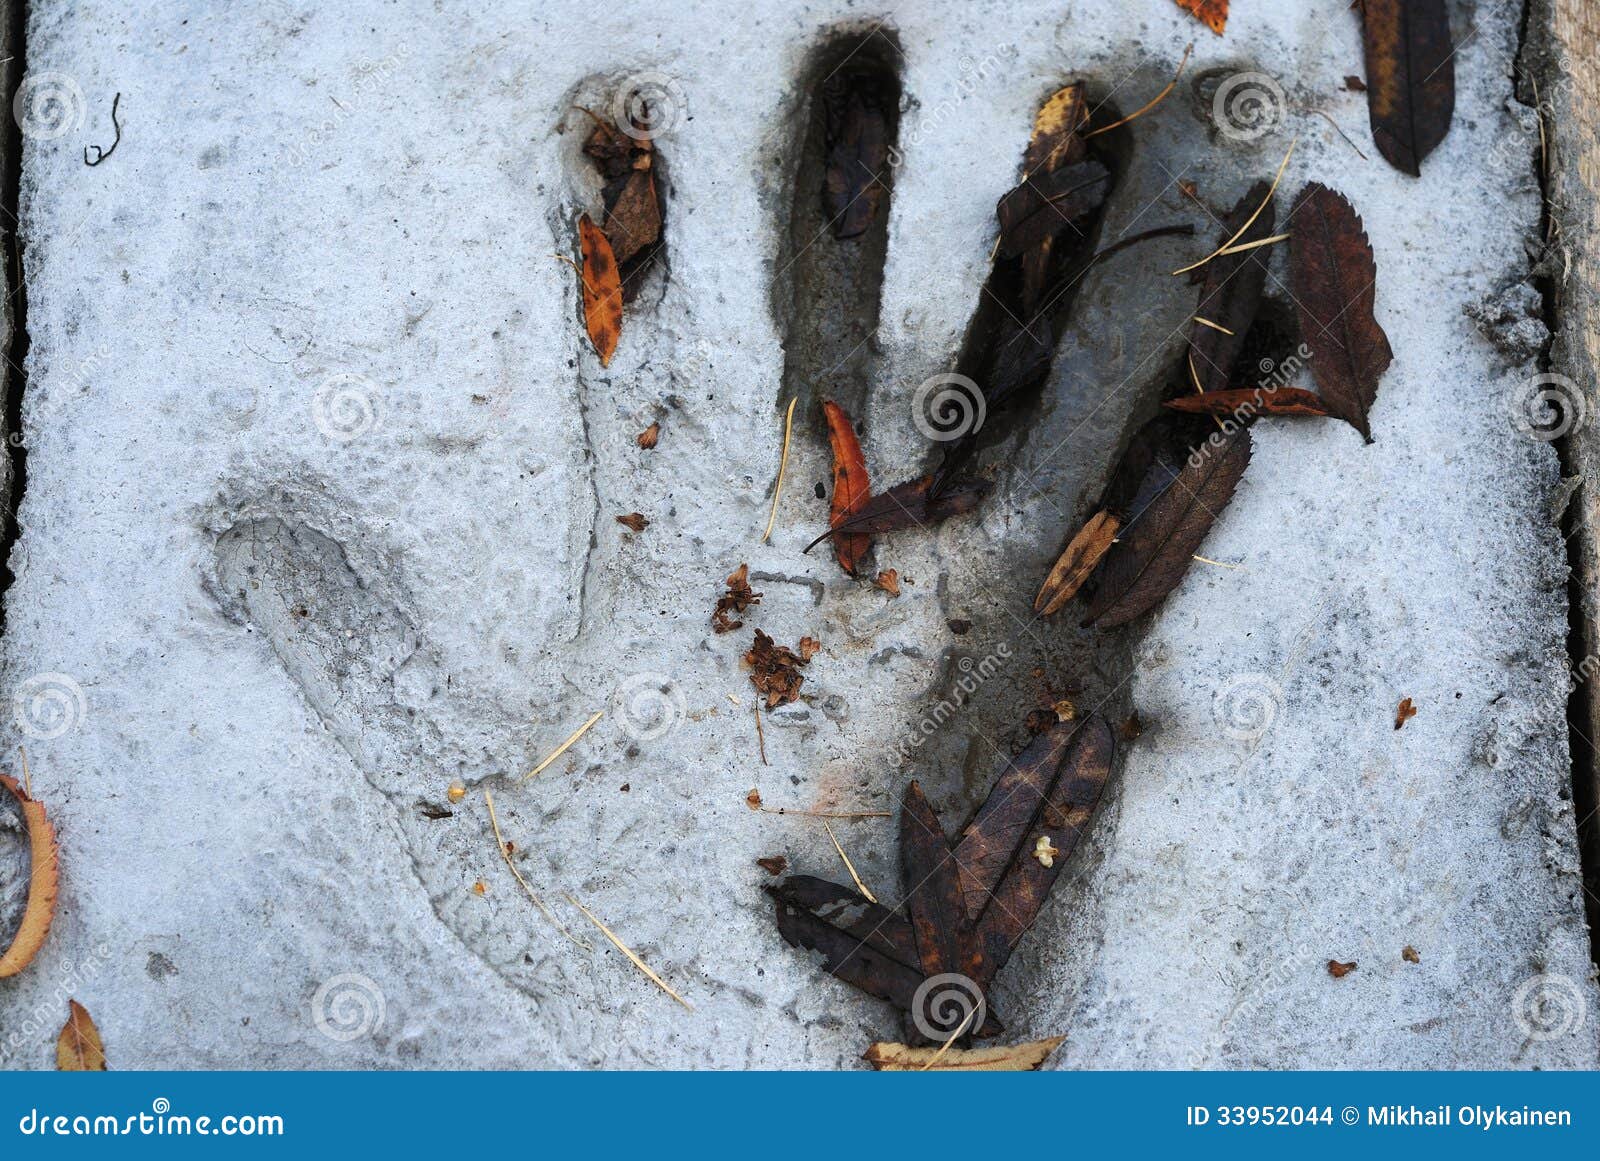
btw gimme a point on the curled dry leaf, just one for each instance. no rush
(1244, 403)
(633, 210)
(889, 581)
(43, 882)
(773, 864)
(886, 1056)
(1076, 562)
(909, 504)
(1212, 13)
(634, 520)
(78, 1048)
(602, 291)
(1404, 713)
(1409, 954)
(1339, 970)
(1333, 278)
(1152, 556)
(1411, 80)
(851, 486)
(650, 436)
(775, 669)
(737, 599)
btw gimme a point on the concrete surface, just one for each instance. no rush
(319, 518)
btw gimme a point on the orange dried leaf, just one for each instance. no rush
(602, 291)
(1339, 970)
(43, 883)
(649, 437)
(851, 487)
(889, 581)
(1077, 562)
(1212, 13)
(78, 1048)
(1404, 713)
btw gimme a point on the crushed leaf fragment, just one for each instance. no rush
(1339, 970)
(634, 520)
(1409, 954)
(649, 437)
(889, 581)
(773, 864)
(737, 599)
(1404, 713)
(775, 669)
(1212, 13)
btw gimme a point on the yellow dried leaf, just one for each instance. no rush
(889, 1057)
(78, 1048)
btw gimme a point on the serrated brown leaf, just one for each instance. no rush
(908, 504)
(602, 291)
(1245, 403)
(1001, 825)
(44, 878)
(886, 1056)
(1231, 292)
(932, 886)
(1077, 562)
(1154, 553)
(857, 128)
(851, 486)
(1212, 13)
(887, 932)
(1411, 82)
(1062, 819)
(78, 1047)
(1333, 278)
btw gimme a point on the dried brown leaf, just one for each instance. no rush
(889, 581)
(1212, 13)
(1409, 954)
(773, 864)
(1339, 970)
(634, 520)
(649, 437)
(775, 669)
(851, 486)
(1154, 553)
(932, 886)
(1411, 81)
(1333, 277)
(1404, 713)
(1076, 562)
(908, 504)
(1245, 403)
(737, 599)
(602, 291)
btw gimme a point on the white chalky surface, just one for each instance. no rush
(293, 625)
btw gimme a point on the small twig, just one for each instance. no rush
(1219, 563)
(628, 951)
(1159, 97)
(783, 463)
(849, 866)
(1248, 222)
(1205, 322)
(102, 154)
(565, 746)
(954, 1036)
(761, 733)
(505, 854)
(1341, 133)
(1158, 232)
(27, 778)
